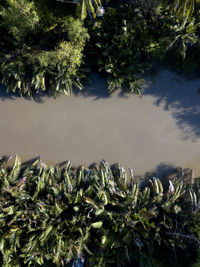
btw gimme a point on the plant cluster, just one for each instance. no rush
(40, 53)
(131, 38)
(120, 40)
(57, 214)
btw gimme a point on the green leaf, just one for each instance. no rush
(97, 224)
(82, 6)
(9, 210)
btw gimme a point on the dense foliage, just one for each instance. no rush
(134, 37)
(56, 214)
(45, 44)
(39, 51)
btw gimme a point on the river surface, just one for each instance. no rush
(157, 131)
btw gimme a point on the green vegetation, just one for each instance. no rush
(54, 214)
(40, 53)
(45, 45)
(133, 38)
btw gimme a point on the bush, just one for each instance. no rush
(57, 214)
(45, 56)
(127, 41)
(118, 49)
(54, 70)
(19, 18)
(134, 37)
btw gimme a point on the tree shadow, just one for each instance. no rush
(167, 172)
(95, 87)
(40, 97)
(180, 96)
(164, 169)
(161, 171)
(4, 95)
(29, 162)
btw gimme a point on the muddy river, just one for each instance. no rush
(159, 130)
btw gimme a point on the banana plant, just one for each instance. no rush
(90, 7)
(61, 214)
(157, 189)
(182, 26)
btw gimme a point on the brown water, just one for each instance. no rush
(155, 131)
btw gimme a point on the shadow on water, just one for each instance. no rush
(167, 172)
(5, 95)
(181, 97)
(95, 88)
(164, 169)
(29, 162)
(161, 171)
(38, 98)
